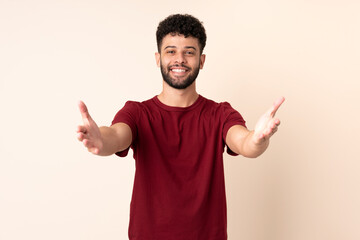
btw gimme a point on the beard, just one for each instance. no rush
(174, 82)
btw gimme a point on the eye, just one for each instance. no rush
(170, 51)
(189, 52)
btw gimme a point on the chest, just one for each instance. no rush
(179, 133)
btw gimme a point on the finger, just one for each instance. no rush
(274, 123)
(271, 127)
(260, 137)
(268, 133)
(92, 149)
(277, 122)
(275, 130)
(276, 106)
(88, 144)
(81, 137)
(81, 129)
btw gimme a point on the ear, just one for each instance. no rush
(202, 60)
(157, 58)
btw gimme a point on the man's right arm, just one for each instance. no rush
(103, 141)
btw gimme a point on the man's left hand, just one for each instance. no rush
(267, 124)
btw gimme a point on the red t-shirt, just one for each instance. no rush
(179, 188)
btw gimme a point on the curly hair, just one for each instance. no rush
(183, 24)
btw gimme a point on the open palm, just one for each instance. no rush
(267, 124)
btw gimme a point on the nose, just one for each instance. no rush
(180, 58)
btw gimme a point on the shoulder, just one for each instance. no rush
(137, 105)
(218, 106)
(132, 110)
(224, 111)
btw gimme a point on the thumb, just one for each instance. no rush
(276, 106)
(84, 111)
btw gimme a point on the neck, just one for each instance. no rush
(178, 97)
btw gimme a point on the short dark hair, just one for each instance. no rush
(183, 24)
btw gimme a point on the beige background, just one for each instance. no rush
(53, 53)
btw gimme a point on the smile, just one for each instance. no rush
(178, 70)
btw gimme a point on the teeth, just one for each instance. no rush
(178, 70)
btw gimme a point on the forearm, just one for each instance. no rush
(244, 142)
(114, 139)
(109, 141)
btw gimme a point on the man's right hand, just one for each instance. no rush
(89, 133)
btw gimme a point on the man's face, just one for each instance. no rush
(180, 60)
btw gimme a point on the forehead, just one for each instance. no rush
(179, 41)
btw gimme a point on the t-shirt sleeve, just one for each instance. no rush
(232, 117)
(128, 115)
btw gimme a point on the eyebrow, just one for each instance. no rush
(187, 47)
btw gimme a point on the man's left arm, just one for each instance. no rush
(253, 143)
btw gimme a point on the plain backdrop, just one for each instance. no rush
(54, 53)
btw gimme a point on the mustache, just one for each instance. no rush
(179, 65)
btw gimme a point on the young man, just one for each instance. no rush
(178, 139)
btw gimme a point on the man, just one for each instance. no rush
(178, 139)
